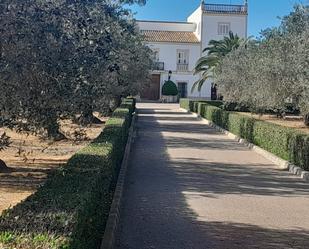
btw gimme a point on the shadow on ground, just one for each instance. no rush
(156, 213)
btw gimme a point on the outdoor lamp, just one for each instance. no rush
(169, 74)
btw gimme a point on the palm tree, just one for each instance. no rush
(208, 65)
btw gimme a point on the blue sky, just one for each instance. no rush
(262, 13)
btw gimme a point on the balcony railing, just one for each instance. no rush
(158, 66)
(226, 8)
(182, 67)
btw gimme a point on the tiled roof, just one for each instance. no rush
(169, 36)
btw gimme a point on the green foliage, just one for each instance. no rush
(67, 58)
(273, 138)
(185, 103)
(234, 106)
(299, 150)
(208, 65)
(217, 103)
(70, 210)
(169, 88)
(195, 106)
(241, 126)
(6, 237)
(284, 142)
(271, 74)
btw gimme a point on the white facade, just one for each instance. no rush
(178, 45)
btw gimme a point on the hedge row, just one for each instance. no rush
(71, 209)
(193, 105)
(284, 142)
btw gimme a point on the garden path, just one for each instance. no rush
(189, 186)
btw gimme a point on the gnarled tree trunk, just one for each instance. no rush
(3, 167)
(54, 133)
(306, 119)
(87, 118)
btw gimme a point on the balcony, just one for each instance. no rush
(225, 8)
(182, 67)
(158, 66)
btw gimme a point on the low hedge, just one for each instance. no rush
(71, 209)
(284, 142)
(187, 103)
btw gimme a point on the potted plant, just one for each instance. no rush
(169, 92)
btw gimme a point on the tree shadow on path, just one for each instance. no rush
(156, 212)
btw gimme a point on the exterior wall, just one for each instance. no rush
(189, 79)
(168, 55)
(196, 17)
(166, 26)
(205, 27)
(210, 26)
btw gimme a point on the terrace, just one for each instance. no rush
(225, 8)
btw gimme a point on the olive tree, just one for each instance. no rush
(33, 82)
(66, 58)
(272, 72)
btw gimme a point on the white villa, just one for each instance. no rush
(178, 45)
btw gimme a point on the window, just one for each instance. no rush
(182, 56)
(182, 89)
(182, 60)
(224, 28)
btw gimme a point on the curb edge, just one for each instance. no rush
(112, 223)
(281, 163)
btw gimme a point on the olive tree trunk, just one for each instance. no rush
(306, 119)
(87, 118)
(53, 131)
(3, 167)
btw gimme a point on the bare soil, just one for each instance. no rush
(297, 124)
(30, 158)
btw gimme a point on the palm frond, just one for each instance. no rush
(207, 65)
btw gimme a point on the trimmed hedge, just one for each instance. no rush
(71, 209)
(169, 88)
(186, 103)
(284, 142)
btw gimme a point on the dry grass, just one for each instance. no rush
(297, 124)
(32, 158)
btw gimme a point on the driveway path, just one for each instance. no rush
(189, 186)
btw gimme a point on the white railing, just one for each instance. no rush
(182, 67)
(225, 8)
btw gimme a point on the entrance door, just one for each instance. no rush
(152, 92)
(182, 89)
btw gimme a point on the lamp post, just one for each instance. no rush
(169, 74)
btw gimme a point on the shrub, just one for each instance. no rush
(273, 138)
(169, 88)
(284, 142)
(233, 106)
(70, 210)
(217, 103)
(195, 106)
(185, 104)
(299, 150)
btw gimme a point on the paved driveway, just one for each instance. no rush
(189, 186)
